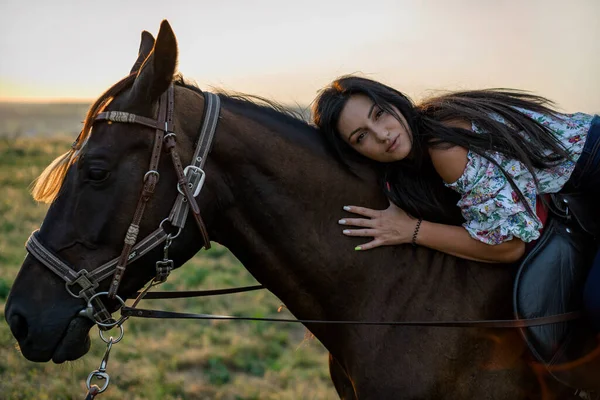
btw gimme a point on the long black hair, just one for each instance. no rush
(412, 183)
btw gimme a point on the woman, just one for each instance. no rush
(498, 149)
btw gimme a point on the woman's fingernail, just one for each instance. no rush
(358, 248)
(346, 231)
(347, 208)
(342, 222)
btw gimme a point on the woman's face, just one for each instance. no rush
(373, 132)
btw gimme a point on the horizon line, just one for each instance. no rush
(44, 100)
(49, 100)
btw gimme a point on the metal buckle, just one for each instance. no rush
(83, 281)
(152, 172)
(163, 269)
(199, 184)
(169, 134)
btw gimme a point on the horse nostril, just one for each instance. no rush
(18, 326)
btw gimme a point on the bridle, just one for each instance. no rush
(189, 184)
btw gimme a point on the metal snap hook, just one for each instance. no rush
(110, 341)
(103, 376)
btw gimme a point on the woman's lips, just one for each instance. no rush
(394, 145)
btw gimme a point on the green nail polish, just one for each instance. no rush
(357, 248)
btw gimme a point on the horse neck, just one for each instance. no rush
(287, 194)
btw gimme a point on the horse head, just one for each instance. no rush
(93, 190)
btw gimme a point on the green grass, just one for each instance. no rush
(158, 359)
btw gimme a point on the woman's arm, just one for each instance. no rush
(393, 226)
(455, 240)
(450, 164)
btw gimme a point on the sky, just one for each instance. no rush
(68, 50)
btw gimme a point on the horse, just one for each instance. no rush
(272, 194)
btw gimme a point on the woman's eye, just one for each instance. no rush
(360, 137)
(97, 174)
(379, 113)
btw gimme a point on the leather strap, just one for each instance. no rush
(198, 293)
(125, 117)
(140, 249)
(36, 249)
(182, 183)
(194, 172)
(150, 180)
(86, 283)
(523, 323)
(55, 264)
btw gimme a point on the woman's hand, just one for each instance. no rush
(387, 227)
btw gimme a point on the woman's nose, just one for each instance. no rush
(382, 135)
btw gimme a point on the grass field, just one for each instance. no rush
(157, 359)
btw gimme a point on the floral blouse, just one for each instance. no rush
(491, 208)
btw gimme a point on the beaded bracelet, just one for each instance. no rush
(414, 237)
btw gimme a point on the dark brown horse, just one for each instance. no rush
(273, 195)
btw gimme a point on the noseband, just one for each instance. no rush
(189, 184)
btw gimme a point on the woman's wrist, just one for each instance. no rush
(416, 231)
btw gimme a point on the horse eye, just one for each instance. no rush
(98, 175)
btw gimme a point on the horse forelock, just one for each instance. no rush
(47, 186)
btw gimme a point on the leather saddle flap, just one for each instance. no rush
(550, 281)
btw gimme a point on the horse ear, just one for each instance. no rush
(157, 71)
(146, 45)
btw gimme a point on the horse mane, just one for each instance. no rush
(259, 104)
(286, 120)
(268, 107)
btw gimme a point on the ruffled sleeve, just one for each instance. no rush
(492, 209)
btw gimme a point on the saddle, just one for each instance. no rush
(550, 281)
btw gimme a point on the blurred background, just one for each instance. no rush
(57, 57)
(72, 50)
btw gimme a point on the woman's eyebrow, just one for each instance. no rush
(359, 128)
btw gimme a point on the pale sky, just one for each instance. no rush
(284, 50)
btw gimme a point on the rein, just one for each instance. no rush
(127, 312)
